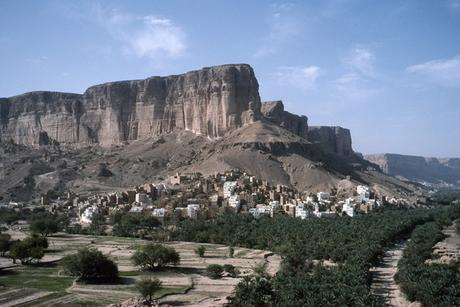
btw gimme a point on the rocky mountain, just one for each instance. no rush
(209, 102)
(333, 139)
(274, 111)
(419, 169)
(120, 134)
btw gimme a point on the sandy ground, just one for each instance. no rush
(190, 273)
(448, 249)
(383, 283)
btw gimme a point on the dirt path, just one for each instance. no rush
(383, 283)
(448, 249)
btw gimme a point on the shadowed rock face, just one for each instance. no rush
(208, 102)
(421, 169)
(274, 111)
(335, 140)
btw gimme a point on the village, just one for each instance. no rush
(194, 196)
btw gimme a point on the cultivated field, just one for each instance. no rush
(45, 284)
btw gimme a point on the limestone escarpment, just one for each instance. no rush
(416, 168)
(335, 140)
(274, 111)
(208, 102)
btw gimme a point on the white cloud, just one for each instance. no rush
(354, 87)
(143, 36)
(445, 72)
(361, 60)
(298, 76)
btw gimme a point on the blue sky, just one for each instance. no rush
(388, 70)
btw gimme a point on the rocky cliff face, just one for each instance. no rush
(274, 111)
(420, 169)
(208, 102)
(335, 140)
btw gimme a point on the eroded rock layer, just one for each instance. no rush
(208, 102)
(274, 111)
(335, 140)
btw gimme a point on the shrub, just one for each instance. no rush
(25, 252)
(5, 243)
(154, 256)
(89, 264)
(44, 225)
(200, 251)
(231, 270)
(148, 288)
(214, 271)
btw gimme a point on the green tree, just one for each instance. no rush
(148, 288)
(231, 251)
(200, 251)
(254, 291)
(214, 271)
(231, 270)
(155, 256)
(25, 252)
(45, 225)
(5, 243)
(89, 264)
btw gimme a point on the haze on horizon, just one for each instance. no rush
(387, 70)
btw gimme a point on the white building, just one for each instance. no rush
(87, 215)
(363, 192)
(323, 195)
(348, 207)
(234, 201)
(301, 212)
(192, 210)
(260, 210)
(158, 212)
(136, 209)
(229, 188)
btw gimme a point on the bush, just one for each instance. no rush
(31, 249)
(231, 270)
(25, 252)
(200, 251)
(155, 256)
(214, 271)
(89, 264)
(254, 290)
(36, 240)
(45, 225)
(148, 288)
(5, 243)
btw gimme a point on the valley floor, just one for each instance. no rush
(45, 284)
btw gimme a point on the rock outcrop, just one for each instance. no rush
(335, 140)
(208, 102)
(274, 111)
(419, 169)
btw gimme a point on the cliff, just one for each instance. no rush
(420, 169)
(335, 140)
(208, 102)
(274, 111)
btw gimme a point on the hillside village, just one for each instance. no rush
(194, 196)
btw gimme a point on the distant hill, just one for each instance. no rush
(436, 171)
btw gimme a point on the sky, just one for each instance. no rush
(387, 70)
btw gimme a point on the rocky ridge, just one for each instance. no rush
(126, 133)
(419, 169)
(209, 102)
